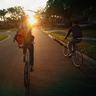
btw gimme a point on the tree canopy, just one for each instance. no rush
(3, 13)
(71, 7)
(15, 13)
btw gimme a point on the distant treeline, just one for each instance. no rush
(10, 17)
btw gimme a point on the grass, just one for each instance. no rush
(2, 37)
(88, 48)
(90, 33)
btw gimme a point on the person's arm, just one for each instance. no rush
(68, 33)
(15, 37)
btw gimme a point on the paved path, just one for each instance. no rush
(54, 75)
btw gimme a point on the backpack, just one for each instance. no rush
(19, 37)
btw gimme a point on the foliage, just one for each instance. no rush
(16, 12)
(10, 17)
(71, 7)
(3, 13)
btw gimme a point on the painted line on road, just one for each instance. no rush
(51, 36)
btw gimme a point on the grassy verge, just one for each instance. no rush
(2, 37)
(88, 48)
(89, 33)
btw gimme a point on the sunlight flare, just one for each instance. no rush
(32, 20)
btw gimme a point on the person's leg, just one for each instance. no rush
(70, 45)
(31, 50)
(74, 46)
(24, 52)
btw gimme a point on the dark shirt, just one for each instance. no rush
(29, 39)
(76, 32)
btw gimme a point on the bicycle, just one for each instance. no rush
(27, 69)
(76, 56)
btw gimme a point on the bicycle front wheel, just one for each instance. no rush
(77, 59)
(65, 51)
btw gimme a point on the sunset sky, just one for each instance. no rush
(27, 4)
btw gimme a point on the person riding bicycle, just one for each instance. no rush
(76, 36)
(25, 38)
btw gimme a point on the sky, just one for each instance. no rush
(27, 4)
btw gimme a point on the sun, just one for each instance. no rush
(32, 20)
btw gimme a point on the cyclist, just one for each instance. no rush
(25, 38)
(76, 32)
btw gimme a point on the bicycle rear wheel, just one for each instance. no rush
(77, 59)
(27, 70)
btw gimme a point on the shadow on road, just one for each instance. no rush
(89, 71)
(26, 81)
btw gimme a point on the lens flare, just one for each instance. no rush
(32, 20)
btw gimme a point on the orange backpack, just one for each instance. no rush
(20, 36)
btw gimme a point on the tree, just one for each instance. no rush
(71, 8)
(16, 12)
(54, 7)
(19, 12)
(2, 14)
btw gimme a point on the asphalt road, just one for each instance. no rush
(54, 75)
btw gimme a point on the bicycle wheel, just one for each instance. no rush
(77, 59)
(65, 51)
(27, 70)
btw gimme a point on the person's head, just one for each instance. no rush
(24, 18)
